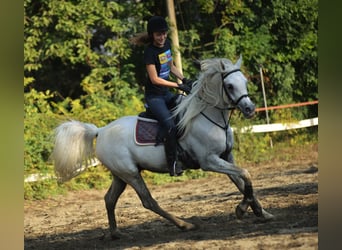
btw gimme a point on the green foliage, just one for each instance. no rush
(41, 189)
(78, 64)
(92, 178)
(39, 121)
(255, 148)
(63, 36)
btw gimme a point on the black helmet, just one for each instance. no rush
(156, 24)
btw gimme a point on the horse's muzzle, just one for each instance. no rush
(249, 114)
(247, 107)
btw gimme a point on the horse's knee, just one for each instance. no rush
(245, 175)
(248, 188)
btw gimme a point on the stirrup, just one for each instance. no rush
(176, 170)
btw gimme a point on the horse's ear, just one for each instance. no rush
(239, 62)
(223, 66)
(204, 64)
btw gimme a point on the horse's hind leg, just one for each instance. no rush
(111, 198)
(148, 202)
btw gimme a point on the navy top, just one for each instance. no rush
(160, 57)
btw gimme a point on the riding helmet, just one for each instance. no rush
(156, 24)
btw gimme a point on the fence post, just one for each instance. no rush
(265, 101)
(174, 34)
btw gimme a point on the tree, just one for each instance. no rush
(75, 66)
(79, 64)
(280, 36)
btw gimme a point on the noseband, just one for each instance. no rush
(235, 103)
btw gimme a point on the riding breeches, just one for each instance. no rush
(159, 107)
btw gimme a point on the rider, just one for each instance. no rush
(158, 97)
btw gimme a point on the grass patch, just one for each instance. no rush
(92, 178)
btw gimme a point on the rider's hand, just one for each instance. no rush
(188, 82)
(184, 87)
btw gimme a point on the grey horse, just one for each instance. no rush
(207, 141)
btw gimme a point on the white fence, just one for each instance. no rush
(280, 126)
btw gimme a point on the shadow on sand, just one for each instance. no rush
(289, 220)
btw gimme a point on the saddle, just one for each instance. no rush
(147, 130)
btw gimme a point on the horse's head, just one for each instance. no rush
(232, 84)
(222, 85)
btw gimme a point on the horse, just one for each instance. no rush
(206, 142)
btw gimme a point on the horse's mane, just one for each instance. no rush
(205, 91)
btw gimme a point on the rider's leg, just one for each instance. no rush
(158, 107)
(170, 146)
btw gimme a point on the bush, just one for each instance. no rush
(254, 148)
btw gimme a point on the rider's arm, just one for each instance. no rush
(175, 71)
(155, 79)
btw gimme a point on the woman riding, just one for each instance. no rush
(158, 97)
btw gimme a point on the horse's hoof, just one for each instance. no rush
(267, 216)
(116, 235)
(109, 236)
(241, 210)
(188, 227)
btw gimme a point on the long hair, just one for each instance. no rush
(141, 39)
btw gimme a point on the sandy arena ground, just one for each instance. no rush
(288, 190)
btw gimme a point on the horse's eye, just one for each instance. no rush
(230, 87)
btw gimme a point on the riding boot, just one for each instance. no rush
(170, 146)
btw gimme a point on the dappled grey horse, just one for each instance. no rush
(206, 142)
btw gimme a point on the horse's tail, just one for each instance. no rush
(73, 148)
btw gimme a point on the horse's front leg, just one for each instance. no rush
(242, 179)
(241, 209)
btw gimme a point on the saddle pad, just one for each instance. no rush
(146, 131)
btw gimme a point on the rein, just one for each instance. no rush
(226, 123)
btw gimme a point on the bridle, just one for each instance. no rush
(235, 102)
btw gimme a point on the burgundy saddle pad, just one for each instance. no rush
(146, 131)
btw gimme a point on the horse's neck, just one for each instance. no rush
(217, 116)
